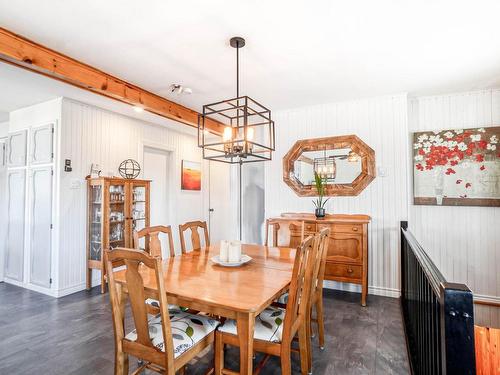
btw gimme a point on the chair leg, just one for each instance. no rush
(219, 353)
(285, 356)
(321, 323)
(121, 363)
(308, 329)
(303, 349)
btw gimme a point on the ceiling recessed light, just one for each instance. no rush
(138, 109)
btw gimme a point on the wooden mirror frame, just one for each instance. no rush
(366, 176)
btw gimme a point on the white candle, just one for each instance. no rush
(224, 251)
(234, 252)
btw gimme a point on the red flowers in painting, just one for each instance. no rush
(450, 148)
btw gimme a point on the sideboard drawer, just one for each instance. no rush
(344, 271)
(309, 228)
(347, 228)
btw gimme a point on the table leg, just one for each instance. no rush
(245, 323)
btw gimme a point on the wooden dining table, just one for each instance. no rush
(192, 280)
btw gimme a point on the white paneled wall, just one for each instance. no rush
(92, 135)
(464, 242)
(382, 124)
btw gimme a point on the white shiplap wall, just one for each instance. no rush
(382, 124)
(92, 135)
(464, 242)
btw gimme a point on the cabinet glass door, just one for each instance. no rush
(116, 215)
(95, 219)
(138, 209)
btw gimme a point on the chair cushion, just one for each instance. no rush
(283, 298)
(155, 303)
(268, 325)
(187, 330)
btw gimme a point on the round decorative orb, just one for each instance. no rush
(129, 169)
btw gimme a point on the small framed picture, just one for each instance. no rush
(191, 175)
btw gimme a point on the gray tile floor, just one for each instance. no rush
(74, 335)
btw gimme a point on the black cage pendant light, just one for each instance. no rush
(248, 134)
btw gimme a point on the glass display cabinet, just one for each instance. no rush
(116, 207)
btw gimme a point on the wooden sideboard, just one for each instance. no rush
(347, 258)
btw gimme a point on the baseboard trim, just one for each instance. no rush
(354, 288)
(35, 288)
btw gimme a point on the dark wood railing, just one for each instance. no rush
(438, 315)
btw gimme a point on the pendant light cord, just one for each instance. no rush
(237, 69)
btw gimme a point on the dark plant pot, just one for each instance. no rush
(320, 212)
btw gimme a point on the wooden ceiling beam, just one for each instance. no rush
(19, 51)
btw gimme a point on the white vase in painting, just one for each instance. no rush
(439, 184)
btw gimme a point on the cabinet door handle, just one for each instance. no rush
(349, 270)
(354, 229)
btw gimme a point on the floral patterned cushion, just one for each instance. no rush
(187, 330)
(155, 303)
(268, 325)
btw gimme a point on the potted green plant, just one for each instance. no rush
(320, 202)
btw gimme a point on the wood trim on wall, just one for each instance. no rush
(21, 52)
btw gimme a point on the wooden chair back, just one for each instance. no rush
(320, 264)
(300, 286)
(152, 241)
(143, 347)
(293, 226)
(195, 236)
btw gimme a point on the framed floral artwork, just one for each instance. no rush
(458, 167)
(191, 175)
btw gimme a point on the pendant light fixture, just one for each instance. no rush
(248, 134)
(325, 167)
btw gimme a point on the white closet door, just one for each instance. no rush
(3, 152)
(41, 219)
(15, 224)
(16, 149)
(41, 143)
(3, 205)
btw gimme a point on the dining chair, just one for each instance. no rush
(153, 247)
(152, 242)
(195, 236)
(275, 328)
(167, 341)
(295, 232)
(316, 295)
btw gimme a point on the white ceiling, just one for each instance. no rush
(21, 88)
(297, 53)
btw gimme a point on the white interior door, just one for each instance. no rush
(156, 168)
(3, 203)
(41, 143)
(41, 222)
(16, 149)
(221, 216)
(15, 224)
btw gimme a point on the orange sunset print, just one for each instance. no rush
(191, 175)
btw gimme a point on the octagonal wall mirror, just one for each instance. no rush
(345, 163)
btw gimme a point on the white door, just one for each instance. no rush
(16, 149)
(41, 226)
(41, 143)
(3, 202)
(15, 225)
(221, 216)
(156, 168)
